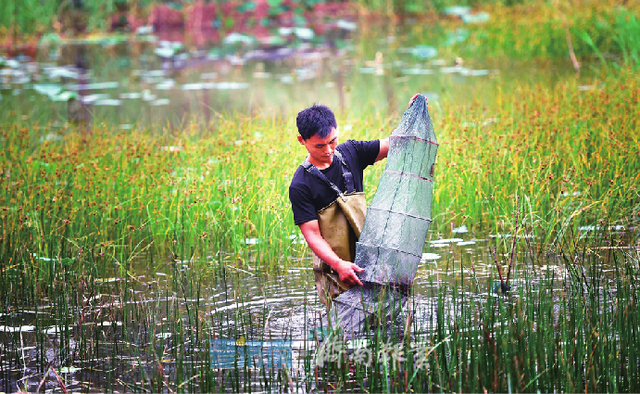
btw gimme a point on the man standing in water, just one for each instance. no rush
(327, 198)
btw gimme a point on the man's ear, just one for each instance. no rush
(301, 140)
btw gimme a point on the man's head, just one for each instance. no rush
(315, 120)
(318, 133)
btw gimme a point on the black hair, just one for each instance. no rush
(317, 119)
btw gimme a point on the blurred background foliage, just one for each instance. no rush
(37, 16)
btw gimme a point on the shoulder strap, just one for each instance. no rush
(346, 174)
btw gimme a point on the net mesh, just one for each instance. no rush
(394, 232)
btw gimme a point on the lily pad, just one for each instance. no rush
(66, 370)
(457, 36)
(461, 230)
(160, 102)
(144, 30)
(93, 86)
(237, 38)
(197, 86)
(167, 84)
(424, 51)
(231, 85)
(61, 72)
(130, 95)
(47, 89)
(247, 6)
(164, 52)
(304, 33)
(457, 10)
(65, 96)
(92, 98)
(417, 71)
(346, 25)
(17, 328)
(109, 102)
(480, 17)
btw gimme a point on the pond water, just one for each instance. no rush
(167, 313)
(157, 317)
(149, 81)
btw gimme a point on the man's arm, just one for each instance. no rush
(345, 269)
(384, 149)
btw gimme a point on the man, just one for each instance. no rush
(327, 198)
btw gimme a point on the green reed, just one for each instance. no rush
(555, 332)
(195, 205)
(569, 155)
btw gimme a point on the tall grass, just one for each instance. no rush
(199, 205)
(625, 31)
(538, 32)
(32, 16)
(570, 155)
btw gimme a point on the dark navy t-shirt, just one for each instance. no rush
(308, 194)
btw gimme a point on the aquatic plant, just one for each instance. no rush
(112, 240)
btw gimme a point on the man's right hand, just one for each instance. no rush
(347, 273)
(346, 270)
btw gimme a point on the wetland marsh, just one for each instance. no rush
(145, 217)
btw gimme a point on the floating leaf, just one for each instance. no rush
(166, 84)
(247, 6)
(197, 86)
(231, 85)
(460, 230)
(108, 102)
(61, 72)
(457, 36)
(47, 89)
(160, 102)
(446, 241)
(457, 10)
(417, 71)
(285, 31)
(144, 30)
(65, 96)
(304, 33)
(66, 370)
(346, 25)
(237, 38)
(130, 95)
(17, 329)
(91, 98)
(93, 86)
(424, 51)
(480, 17)
(164, 52)
(274, 41)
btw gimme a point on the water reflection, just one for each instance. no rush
(167, 313)
(142, 81)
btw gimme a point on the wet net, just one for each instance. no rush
(394, 232)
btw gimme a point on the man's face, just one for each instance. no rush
(321, 149)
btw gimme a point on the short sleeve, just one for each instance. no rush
(366, 152)
(301, 204)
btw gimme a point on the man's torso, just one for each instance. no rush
(308, 193)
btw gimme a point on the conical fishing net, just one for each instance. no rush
(394, 232)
